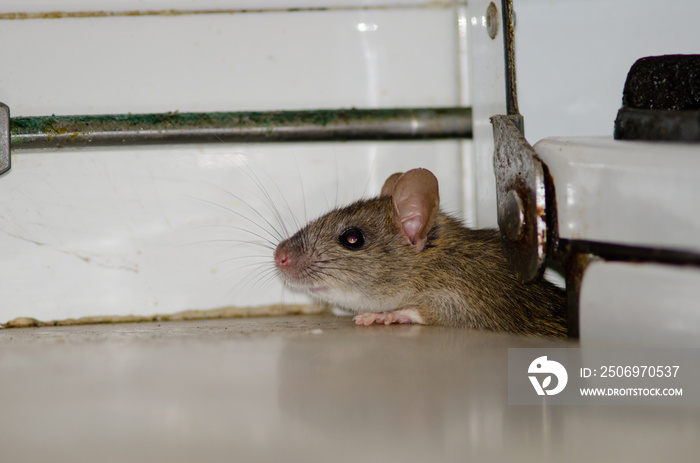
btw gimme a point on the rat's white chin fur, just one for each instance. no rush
(353, 301)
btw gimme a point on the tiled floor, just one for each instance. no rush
(313, 388)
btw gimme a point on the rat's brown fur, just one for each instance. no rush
(461, 278)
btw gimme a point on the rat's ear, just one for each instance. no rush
(416, 203)
(388, 187)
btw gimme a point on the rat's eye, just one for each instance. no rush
(352, 238)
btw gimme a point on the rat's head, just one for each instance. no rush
(352, 255)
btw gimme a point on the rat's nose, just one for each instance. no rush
(282, 258)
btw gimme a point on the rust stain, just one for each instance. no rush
(176, 12)
(111, 14)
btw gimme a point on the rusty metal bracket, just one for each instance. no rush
(509, 55)
(521, 197)
(5, 161)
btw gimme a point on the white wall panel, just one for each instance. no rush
(633, 305)
(257, 61)
(487, 87)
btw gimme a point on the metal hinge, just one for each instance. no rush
(521, 196)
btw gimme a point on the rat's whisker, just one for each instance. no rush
(269, 201)
(274, 236)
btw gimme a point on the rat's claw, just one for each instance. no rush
(367, 318)
(388, 318)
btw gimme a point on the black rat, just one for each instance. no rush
(398, 259)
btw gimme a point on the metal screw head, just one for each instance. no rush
(514, 215)
(492, 20)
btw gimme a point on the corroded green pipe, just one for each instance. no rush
(51, 132)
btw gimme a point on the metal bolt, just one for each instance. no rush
(492, 20)
(513, 215)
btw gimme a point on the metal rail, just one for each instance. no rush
(54, 132)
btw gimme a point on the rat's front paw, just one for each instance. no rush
(387, 318)
(367, 318)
